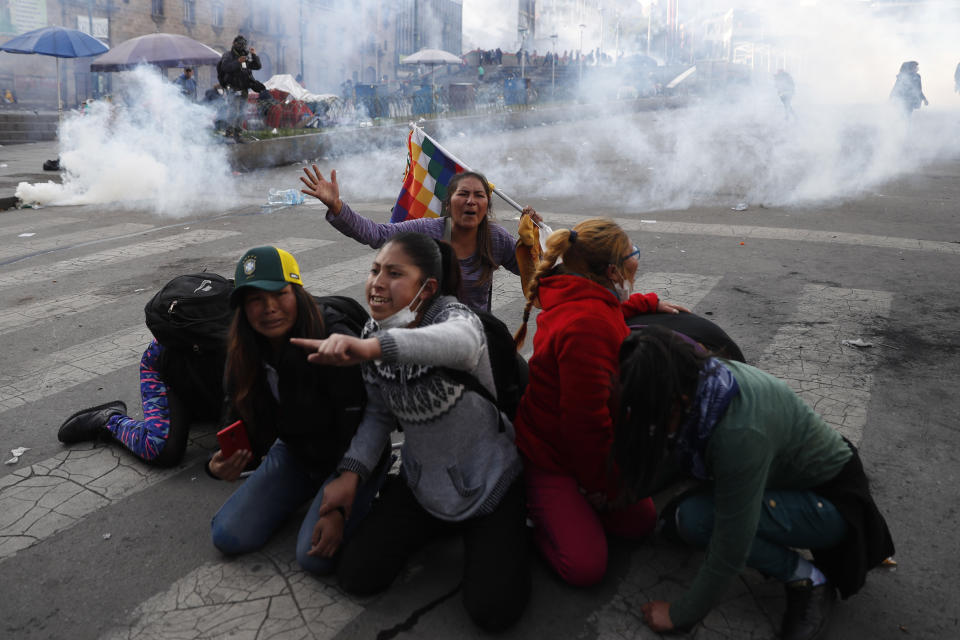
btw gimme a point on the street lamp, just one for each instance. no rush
(300, 20)
(553, 69)
(580, 51)
(523, 37)
(600, 50)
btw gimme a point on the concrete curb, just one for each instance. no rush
(277, 152)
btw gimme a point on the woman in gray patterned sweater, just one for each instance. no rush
(460, 472)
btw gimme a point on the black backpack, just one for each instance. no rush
(192, 313)
(343, 310)
(510, 370)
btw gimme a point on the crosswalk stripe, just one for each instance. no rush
(808, 353)
(262, 595)
(28, 246)
(339, 276)
(35, 225)
(54, 494)
(686, 289)
(293, 245)
(766, 233)
(75, 365)
(100, 259)
(28, 315)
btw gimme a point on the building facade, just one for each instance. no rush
(326, 41)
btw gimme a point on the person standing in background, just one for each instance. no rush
(187, 84)
(783, 81)
(907, 91)
(235, 75)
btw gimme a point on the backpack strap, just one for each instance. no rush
(447, 229)
(470, 383)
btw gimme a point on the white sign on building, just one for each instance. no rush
(101, 27)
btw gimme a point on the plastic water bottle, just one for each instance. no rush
(284, 196)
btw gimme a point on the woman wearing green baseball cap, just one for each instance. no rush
(299, 417)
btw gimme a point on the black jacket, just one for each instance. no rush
(319, 409)
(232, 75)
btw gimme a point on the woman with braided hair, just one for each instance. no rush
(565, 420)
(779, 477)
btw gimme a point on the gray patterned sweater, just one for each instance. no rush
(455, 459)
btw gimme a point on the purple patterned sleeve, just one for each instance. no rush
(504, 249)
(374, 234)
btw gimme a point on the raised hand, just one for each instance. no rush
(326, 191)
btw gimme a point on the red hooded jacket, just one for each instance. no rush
(565, 420)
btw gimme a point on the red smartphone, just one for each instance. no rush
(233, 439)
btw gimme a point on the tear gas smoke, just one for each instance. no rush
(715, 154)
(149, 149)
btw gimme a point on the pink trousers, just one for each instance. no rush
(570, 533)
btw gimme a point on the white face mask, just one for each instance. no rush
(404, 317)
(623, 289)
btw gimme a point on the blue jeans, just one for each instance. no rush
(797, 519)
(276, 490)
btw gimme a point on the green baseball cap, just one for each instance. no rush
(267, 268)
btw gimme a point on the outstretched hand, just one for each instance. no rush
(339, 350)
(326, 191)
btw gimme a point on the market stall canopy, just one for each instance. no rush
(431, 56)
(158, 49)
(58, 42)
(287, 83)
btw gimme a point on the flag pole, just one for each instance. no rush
(510, 201)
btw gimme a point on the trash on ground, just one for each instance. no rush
(27, 235)
(648, 222)
(741, 206)
(17, 453)
(284, 196)
(856, 343)
(106, 536)
(889, 562)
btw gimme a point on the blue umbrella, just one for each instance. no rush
(58, 42)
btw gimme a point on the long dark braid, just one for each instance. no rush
(659, 372)
(587, 250)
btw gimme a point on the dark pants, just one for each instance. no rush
(496, 571)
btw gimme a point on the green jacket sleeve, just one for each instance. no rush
(739, 460)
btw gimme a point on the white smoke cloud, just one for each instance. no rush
(149, 149)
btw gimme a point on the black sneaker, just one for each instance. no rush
(89, 424)
(808, 608)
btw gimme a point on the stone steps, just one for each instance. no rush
(17, 127)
